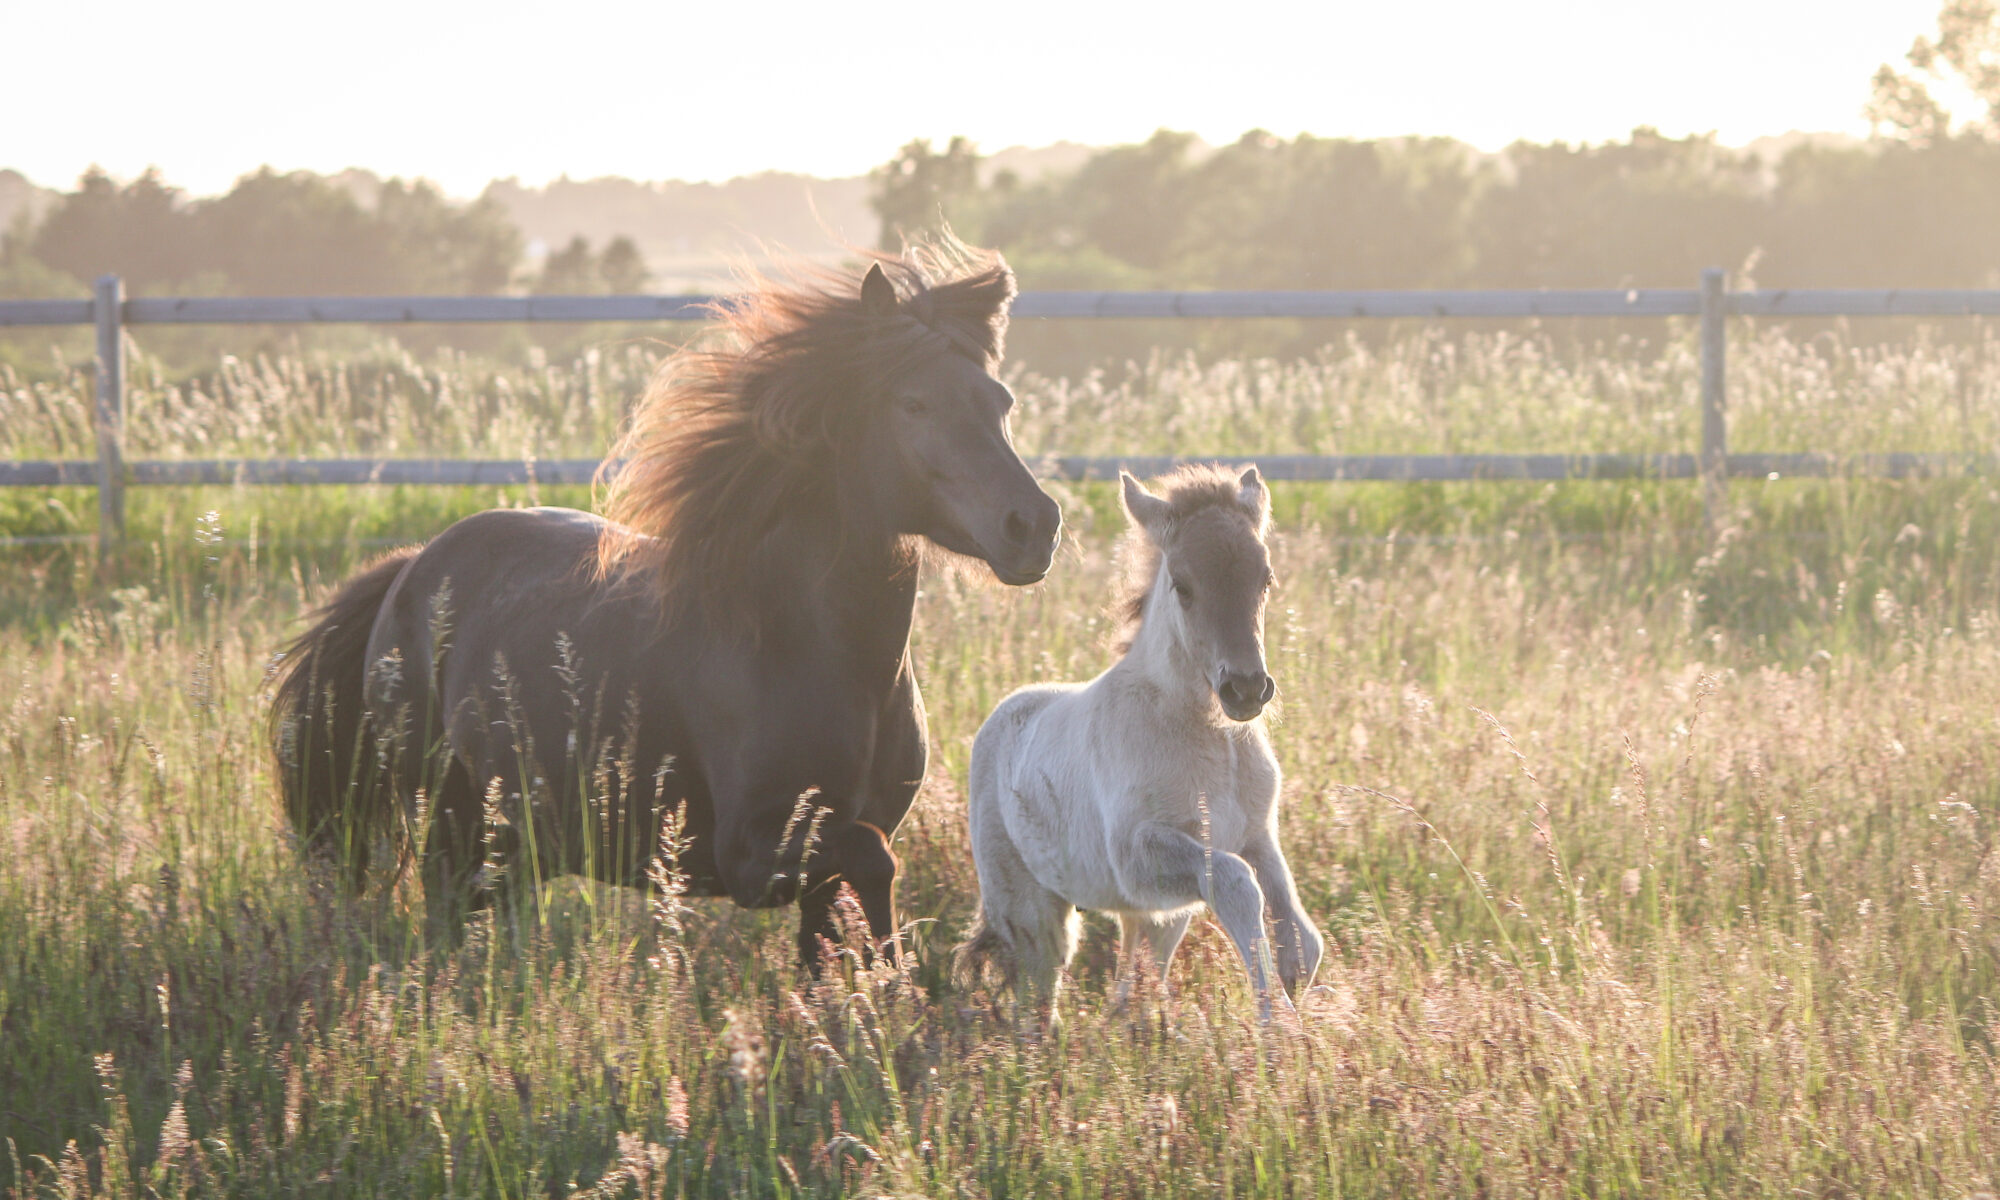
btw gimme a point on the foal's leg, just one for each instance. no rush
(1040, 929)
(1152, 935)
(1300, 945)
(1035, 927)
(1162, 867)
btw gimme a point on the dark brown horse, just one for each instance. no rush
(545, 687)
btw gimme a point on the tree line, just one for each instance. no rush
(1310, 212)
(295, 232)
(1262, 212)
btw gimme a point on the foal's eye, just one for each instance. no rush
(1183, 593)
(916, 406)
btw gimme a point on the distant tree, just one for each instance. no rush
(1263, 212)
(570, 271)
(1327, 213)
(1132, 201)
(920, 189)
(575, 271)
(1113, 222)
(445, 247)
(140, 231)
(1966, 51)
(1649, 211)
(621, 268)
(1894, 215)
(274, 233)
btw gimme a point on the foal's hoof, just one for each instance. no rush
(1280, 1015)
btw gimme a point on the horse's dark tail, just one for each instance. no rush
(338, 793)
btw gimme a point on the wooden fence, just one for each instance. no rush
(1712, 463)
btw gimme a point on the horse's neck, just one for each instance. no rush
(1157, 657)
(834, 577)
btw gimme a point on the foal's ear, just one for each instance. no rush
(1146, 508)
(1253, 495)
(878, 295)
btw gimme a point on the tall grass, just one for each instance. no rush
(1434, 392)
(1651, 865)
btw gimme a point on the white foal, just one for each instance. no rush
(1151, 789)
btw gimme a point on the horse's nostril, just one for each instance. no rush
(1016, 527)
(1242, 691)
(1032, 528)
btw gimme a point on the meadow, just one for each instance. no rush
(1653, 860)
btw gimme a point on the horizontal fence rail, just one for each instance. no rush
(110, 311)
(1358, 305)
(1296, 468)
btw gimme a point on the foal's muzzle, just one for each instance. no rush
(1245, 693)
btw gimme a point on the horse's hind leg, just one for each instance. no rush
(453, 853)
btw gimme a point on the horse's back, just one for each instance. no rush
(505, 550)
(475, 577)
(533, 670)
(496, 601)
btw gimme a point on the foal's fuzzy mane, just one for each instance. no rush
(731, 437)
(1188, 490)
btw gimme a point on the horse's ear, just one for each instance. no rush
(1146, 508)
(1253, 495)
(878, 295)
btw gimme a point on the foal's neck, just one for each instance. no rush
(1158, 657)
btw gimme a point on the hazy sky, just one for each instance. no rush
(462, 92)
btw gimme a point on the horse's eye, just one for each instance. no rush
(916, 406)
(1184, 593)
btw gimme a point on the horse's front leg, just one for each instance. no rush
(855, 854)
(1299, 942)
(1161, 867)
(778, 841)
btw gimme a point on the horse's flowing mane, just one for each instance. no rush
(1189, 489)
(730, 438)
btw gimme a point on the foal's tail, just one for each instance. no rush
(338, 794)
(983, 947)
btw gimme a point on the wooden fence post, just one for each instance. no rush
(110, 416)
(1714, 415)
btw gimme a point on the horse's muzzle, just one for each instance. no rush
(1245, 693)
(1033, 534)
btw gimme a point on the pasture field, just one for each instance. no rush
(1651, 864)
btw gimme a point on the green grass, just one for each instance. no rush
(1651, 865)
